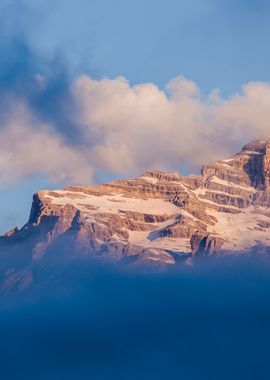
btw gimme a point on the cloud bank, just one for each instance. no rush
(94, 126)
(131, 128)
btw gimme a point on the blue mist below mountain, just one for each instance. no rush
(211, 321)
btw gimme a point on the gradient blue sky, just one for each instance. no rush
(216, 43)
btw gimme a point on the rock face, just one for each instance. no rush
(250, 167)
(157, 217)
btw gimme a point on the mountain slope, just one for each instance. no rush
(158, 217)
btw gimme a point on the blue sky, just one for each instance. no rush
(215, 43)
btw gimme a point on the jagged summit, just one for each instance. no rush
(158, 216)
(257, 146)
(250, 167)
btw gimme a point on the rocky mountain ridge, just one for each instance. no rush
(158, 217)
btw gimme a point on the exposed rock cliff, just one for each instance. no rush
(158, 216)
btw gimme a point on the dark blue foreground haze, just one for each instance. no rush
(207, 322)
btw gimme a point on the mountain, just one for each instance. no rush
(156, 218)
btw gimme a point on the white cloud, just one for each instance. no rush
(126, 129)
(140, 127)
(31, 149)
(181, 87)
